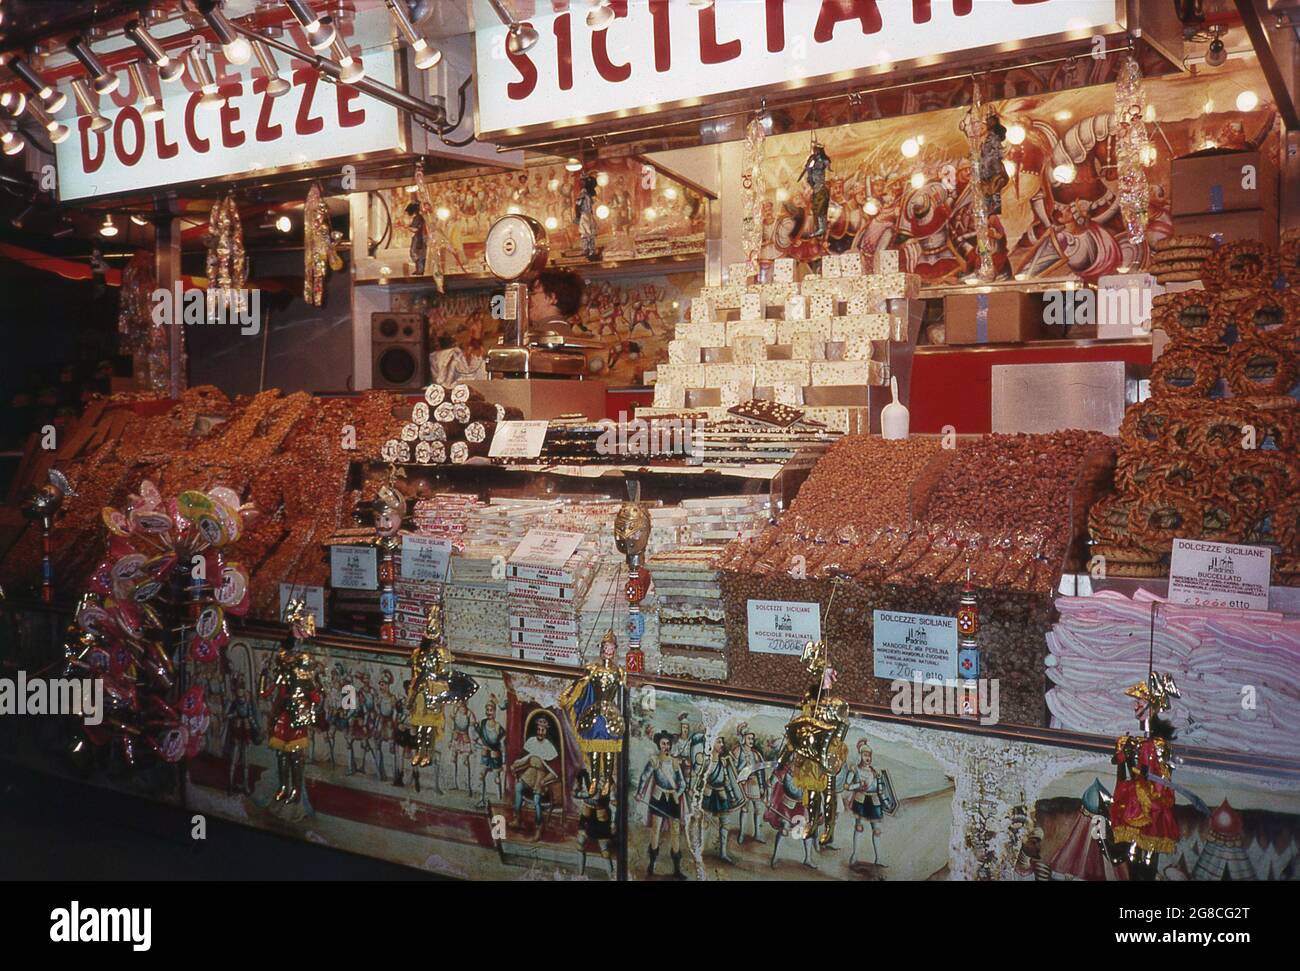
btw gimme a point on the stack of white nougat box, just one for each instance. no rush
(815, 342)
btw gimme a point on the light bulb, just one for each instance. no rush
(1016, 134)
(602, 179)
(443, 213)
(108, 229)
(871, 207)
(1247, 101)
(284, 224)
(918, 180)
(602, 211)
(910, 148)
(425, 56)
(552, 223)
(238, 51)
(573, 165)
(650, 214)
(1064, 173)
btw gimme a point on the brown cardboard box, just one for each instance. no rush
(1228, 227)
(1211, 182)
(996, 317)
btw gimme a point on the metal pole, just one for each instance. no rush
(376, 89)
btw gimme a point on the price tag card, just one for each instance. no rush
(546, 547)
(914, 646)
(518, 439)
(783, 627)
(315, 597)
(354, 568)
(1204, 574)
(425, 557)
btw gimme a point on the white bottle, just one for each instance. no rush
(894, 417)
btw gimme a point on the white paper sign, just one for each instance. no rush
(425, 557)
(315, 597)
(546, 547)
(783, 627)
(518, 439)
(912, 646)
(1204, 574)
(354, 568)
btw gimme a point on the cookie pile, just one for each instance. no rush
(1180, 259)
(1213, 454)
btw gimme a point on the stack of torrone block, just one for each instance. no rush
(811, 341)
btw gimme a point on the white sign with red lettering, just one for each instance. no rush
(657, 53)
(313, 123)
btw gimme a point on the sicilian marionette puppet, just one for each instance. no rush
(992, 173)
(594, 704)
(814, 750)
(814, 172)
(419, 238)
(1142, 809)
(631, 536)
(294, 682)
(584, 214)
(433, 686)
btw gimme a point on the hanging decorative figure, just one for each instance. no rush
(1142, 809)
(432, 687)
(294, 682)
(419, 238)
(992, 173)
(814, 171)
(814, 750)
(595, 709)
(584, 214)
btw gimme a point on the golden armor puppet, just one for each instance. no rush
(814, 749)
(1142, 809)
(432, 687)
(594, 706)
(294, 682)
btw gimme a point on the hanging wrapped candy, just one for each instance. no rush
(164, 574)
(427, 233)
(227, 261)
(975, 127)
(1133, 150)
(751, 186)
(317, 248)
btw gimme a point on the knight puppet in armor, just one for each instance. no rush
(294, 682)
(814, 171)
(1142, 809)
(595, 709)
(814, 750)
(432, 687)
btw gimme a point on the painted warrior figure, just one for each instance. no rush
(814, 749)
(432, 686)
(240, 730)
(865, 797)
(814, 170)
(751, 773)
(720, 792)
(594, 705)
(1142, 809)
(662, 787)
(293, 681)
(491, 735)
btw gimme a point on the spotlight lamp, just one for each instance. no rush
(105, 81)
(235, 46)
(352, 71)
(169, 68)
(51, 100)
(320, 34)
(275, 85)
(426, 56)
(97, 121)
